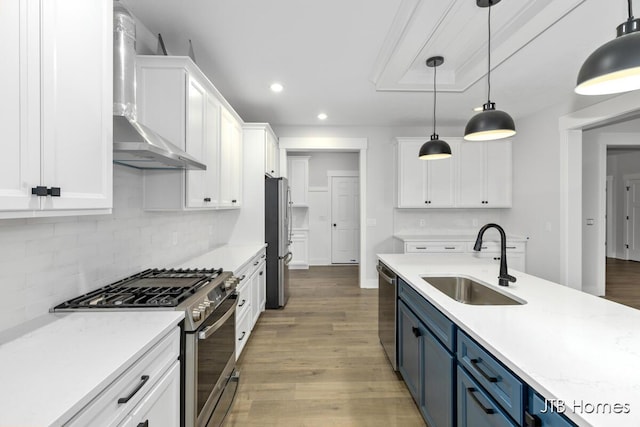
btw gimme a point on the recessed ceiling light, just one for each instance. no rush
(322, 116)
(277, 87)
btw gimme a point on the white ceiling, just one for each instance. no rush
(362, 61)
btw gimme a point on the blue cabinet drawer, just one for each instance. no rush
(499, 382)
(438, 323)
(548, 418)
(475, 407)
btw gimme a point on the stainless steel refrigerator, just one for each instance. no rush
(277, 218)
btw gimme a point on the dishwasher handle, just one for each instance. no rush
(384, 276)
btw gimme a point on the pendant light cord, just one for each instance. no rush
(435, 95)
(630, 3)
(489, 56)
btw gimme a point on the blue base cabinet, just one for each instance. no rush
(454, 380)
(427, 367)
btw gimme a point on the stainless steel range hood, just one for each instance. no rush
(134, 144)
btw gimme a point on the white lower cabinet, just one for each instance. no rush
(158, 408)
(516, 250)
(299, 250)
(251, 297)
(149, 388)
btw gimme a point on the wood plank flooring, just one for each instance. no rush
(318, 361)
(623, 282)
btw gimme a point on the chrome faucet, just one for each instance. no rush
(504, 278)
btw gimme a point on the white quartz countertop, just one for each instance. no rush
(49, 374)
(566, 344)
(490, 237)
(229, 257)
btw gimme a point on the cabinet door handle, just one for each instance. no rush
(242, 337)
(144, 424)
(256, 263)
(475, 363)
(207, 199)
(143, 381)
(416, 331)
(261, 273)
(234, 201)
(242, 303)
(486, 410)
(39, 191)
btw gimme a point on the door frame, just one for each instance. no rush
(338, 174)
(610, 217)
(627, 182)
(570, 128)
(358, 145)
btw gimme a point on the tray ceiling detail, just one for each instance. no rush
(457, 30)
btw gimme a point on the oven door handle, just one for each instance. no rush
(209, 330)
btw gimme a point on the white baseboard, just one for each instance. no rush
(370, 284)
(298, 266)
(320, 261)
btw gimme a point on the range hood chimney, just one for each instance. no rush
(134, 144)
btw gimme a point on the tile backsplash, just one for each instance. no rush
(45, 261)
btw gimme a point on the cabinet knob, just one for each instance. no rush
(416, 331)
(234, 201)
(207, 199)
(334, 225)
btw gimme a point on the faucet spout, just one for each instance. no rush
(504, 278)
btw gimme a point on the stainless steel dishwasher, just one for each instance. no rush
(387, 302)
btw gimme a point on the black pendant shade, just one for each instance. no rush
(615, 66)
(490, 124)
(435, 148)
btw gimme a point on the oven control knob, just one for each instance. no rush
(228, 283)
(197, 315)
(206, 303)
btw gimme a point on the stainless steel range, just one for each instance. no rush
(209, 299)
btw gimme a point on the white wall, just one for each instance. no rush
(46, 261)
(536, 191)
(321, 162)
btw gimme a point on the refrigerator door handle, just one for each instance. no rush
(287, 258)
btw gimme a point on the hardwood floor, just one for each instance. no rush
(623, 282)
(318, 362)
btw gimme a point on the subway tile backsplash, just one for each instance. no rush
(45, 261)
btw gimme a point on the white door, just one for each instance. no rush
(633, 220)
(345, 224)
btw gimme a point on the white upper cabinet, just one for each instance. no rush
(57, 107)
(425, 183)
(298, 172)
(231, 160)
(272, 155)
(175, 99)
(477, 175)
(485, 174)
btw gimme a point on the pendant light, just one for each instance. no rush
(615, 66)
(435, 148)
(490, 124)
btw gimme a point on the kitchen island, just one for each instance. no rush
(579, 351)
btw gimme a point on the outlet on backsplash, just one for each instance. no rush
(422, 223)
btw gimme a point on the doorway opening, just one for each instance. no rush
(332, 163)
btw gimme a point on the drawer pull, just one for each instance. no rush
(242, 303)
(511, 247)
(256, 263)
(416, 331)
(475, 363)
(143, 381)
(242, 337)
(144, 424)
(486, 410)
(421, 247)
(449, 247)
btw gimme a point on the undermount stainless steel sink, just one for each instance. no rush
(468, 291)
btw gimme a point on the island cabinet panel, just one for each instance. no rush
(541, 414)
(426, 364)
(475, 407)
(501, 384)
